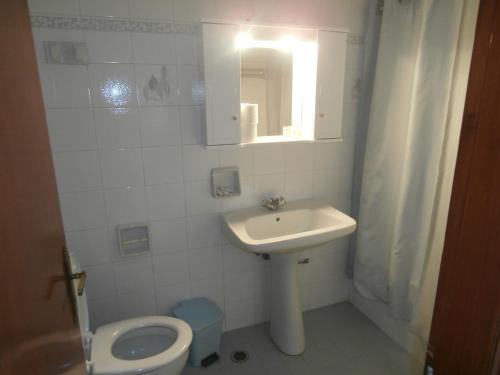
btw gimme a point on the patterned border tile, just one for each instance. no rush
(106, 24)
(102, 24)
(355, 39)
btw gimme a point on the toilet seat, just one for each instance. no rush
(103, 362)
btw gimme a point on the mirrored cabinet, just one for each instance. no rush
(272, 84)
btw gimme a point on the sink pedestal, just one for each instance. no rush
(287, 325)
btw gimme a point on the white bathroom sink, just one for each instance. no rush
(295, 226)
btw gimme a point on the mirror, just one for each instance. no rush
(266, 84)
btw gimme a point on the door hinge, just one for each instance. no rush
(491, 39)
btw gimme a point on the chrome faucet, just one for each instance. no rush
(272, 204)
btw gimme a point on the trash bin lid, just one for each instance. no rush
(199, 313)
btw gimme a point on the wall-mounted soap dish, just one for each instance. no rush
(133, 239)
(226, 182)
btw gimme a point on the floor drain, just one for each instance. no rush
(239, 356)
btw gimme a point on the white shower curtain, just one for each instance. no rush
(407, 130)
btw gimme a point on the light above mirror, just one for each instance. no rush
(278, 83)
(286, 44)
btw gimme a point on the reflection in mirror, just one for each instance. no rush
(266, 82)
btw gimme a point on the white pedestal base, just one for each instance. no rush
(287, 325)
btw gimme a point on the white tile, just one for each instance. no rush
(112, 85)
(160, 126)
(245, 200)
(100, 282)
(126, 206)
(168, 297)
(347, 152)
(156, 85)
(350, 117)
(171, 269)
(121, 168)
(69, 7)
(240, 313)
(353, 86)
(212, 289)
(238, 286)
(269, 159)
(237, 10)
(327, 155)
(237, 261)
(330, 266)
(151, 9)
(162, 164)
(204, 231)
(205, 263)
(325, 184)
(109, 46)
(90, 246)
(193, 10)
(137, 304)
(358, 12)
(354, 57)
(269, 185)
(191, 87)
(187, 48)
(198, 162)
(150, 48)
(298, 185)
(262, 309)
(199, 199)
(191, 125)
(102, 311)
(168, 235)
(117, 127)
(262, 280)
(166, 201)
(77, 171)
(104, 8)
(71, 129)
(299, 157)
(65, 86)
(41, 35)
(322, 293)
(241, 157)
(134, 275)
(84, 210)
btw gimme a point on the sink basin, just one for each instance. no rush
(283, 234)
(295, 226)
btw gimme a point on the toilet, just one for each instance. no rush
(157, 345)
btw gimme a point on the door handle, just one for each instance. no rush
(82, 279)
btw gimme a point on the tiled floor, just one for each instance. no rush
(340, 341)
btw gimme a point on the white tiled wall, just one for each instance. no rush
(122, 159)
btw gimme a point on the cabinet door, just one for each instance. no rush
(222, 84)
(330, 84)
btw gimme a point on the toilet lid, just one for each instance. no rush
(105, 363)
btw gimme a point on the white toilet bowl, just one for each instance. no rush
(157, 345)
(145, 345)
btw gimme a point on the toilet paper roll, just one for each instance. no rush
(249, 121)
(252, 113)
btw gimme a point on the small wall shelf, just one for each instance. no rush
(226, 182)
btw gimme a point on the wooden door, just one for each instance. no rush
(466, 325)
(38, 332)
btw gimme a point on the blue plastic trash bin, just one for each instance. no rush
(205, 319)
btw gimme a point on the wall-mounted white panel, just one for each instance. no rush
(222, 84)
(330, 84)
